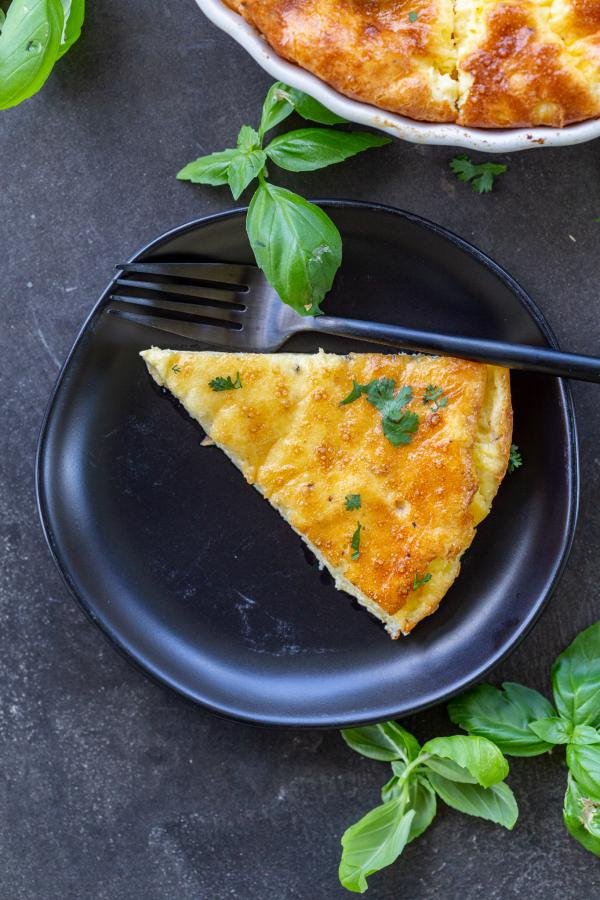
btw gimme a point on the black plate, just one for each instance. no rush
(190, 572)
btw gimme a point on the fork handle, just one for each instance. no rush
(500, 353)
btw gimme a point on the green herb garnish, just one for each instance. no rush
(225, 384)
(400, 431)
(355, 542)
(412, 17)
(419, 582)
(352, 501)
(176, 369)
(33, 37)
(357, 391)
(398, 425)
(467, 773)
(515, 460)
(480, 175)
(522, 722)
(435, 395)
(295, 243)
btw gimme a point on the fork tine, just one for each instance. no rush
(219, 316)
(214, 296)
(222, 273)
(207, 334)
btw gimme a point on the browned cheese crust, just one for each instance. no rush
(481, 63)
(524, 63)
(369, 50)
(287, 432)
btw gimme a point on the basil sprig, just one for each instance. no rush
(521, 722)
(33, 35)
(467, 773)
(295, 243)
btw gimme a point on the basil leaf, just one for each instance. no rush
(278, 106)
(496, 803)
(576, 679)
(237, 168)
(212, 169)
(503, 716)
(585, 734)
(450, 770)
(282, 100)
(373, 843)
(308, 149)
(531, 702)
(247, 163)
(29, 43)
(74, 12)
(480, 757)
(296, 245)
(553, 730)
(385, 742)
(581, 815)
(248, 139)
(391, 789)
(311, 109)
(421, 798)
(584, 762)
(243, 169)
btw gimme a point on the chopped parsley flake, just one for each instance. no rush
(419, 582)
(352, 501)
(515, 460)
(400, 431)
(398, 424)
(176, 369)
(355, 542)
(225, 384)
(481, 176)
(357, 391)
(413, 16)
(435, 395)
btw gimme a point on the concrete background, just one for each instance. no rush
(113, 787)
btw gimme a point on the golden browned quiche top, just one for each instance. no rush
(282, 423)
(483, 63)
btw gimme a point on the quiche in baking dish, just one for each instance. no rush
(385, 488)
(480, 63)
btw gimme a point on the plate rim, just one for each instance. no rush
(484, 140)
(319, 722)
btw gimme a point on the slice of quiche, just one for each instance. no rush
(384, 465)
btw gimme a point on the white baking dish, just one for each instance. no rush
(484, 139)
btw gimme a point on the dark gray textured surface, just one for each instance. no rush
(112, 787)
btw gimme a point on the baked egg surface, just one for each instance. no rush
(479, 63)
(280, 419)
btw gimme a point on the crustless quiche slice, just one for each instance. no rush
(482, 63)
(387, 487)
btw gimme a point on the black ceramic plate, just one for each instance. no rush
(191, 573)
